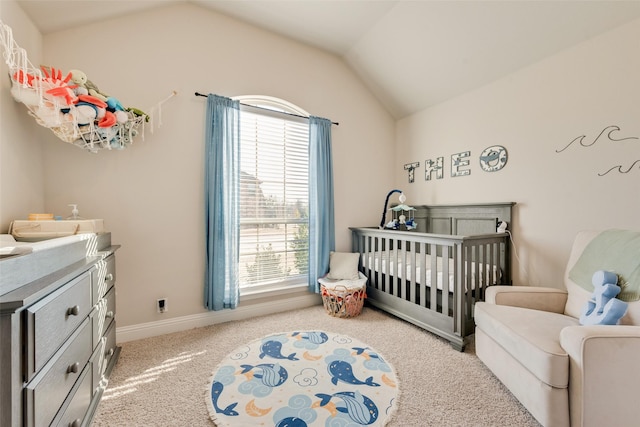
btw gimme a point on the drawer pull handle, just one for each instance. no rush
(73, 311)
(108, 277)
(109, 353)
(75, 423)
(109, 314)
(73, 368)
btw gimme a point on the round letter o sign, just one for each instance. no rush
(493, 158)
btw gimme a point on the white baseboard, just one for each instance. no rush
(178, 324)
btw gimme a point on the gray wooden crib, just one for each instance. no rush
(432, 276)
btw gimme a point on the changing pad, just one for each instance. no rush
(9, 246)
(32, 231)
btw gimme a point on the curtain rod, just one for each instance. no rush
(263, 108)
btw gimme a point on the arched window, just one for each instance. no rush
(274, 193)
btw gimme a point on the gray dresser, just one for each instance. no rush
(57, 333)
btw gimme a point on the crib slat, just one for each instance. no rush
(497, 257)
(423, 275)
(488, 276)
(378, 259)
(498, 261)
(491, 277)
(388, 265)
(397, 273)
(405, 277)
(472, 279)
(487, 270)
(446, 274)
(458, 301)
(433, 279)
(498, 272)
(365, 254)
(412, 285)
(392, 272)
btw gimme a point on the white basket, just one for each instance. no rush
(343, 298)
(358, 283)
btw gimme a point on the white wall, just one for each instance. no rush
(21, 171)
(534, 113)
(151, 194)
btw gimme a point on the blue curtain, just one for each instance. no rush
(322, 238)
(222, 184)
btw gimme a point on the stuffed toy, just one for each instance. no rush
(79, 78)
(86, 86)
(603, 308)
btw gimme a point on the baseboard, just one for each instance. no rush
(178, 324)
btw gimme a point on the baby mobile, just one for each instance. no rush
(70, 105)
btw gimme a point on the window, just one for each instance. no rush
(274, 194)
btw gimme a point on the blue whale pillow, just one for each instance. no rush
(603, 308)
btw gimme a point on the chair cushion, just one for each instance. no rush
(531, 337)
(578, 296)
(612, 250)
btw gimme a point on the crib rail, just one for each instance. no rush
(431, 280)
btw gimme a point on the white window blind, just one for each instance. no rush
(274, 194)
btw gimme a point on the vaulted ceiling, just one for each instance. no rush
(412, 54)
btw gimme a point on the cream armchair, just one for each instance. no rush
(564, 373)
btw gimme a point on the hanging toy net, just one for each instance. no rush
(70, 105)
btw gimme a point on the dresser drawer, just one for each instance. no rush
(50, 387)
(77, 403)
(103, 277)
(110, 314)
(51, 320)
(98, 274)
(110, 346)
(103, 314)
(97, 368)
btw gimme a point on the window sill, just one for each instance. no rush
(274, 291)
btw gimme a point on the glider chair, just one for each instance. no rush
(565, 371)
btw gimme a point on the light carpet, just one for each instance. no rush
(160, 381)
(303, 379)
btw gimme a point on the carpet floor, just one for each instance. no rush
(162, 381)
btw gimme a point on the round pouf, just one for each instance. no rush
(300, 379)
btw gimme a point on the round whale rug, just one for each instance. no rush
(303, 378)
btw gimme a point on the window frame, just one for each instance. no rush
(276, 108)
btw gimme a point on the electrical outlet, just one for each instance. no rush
(162, 305)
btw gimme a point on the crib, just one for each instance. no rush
(433, 276)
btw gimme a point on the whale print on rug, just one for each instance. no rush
(315, 338)
(274, 349)
(271, 375)
(343, 371)
(303, 379)
(359, 408)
